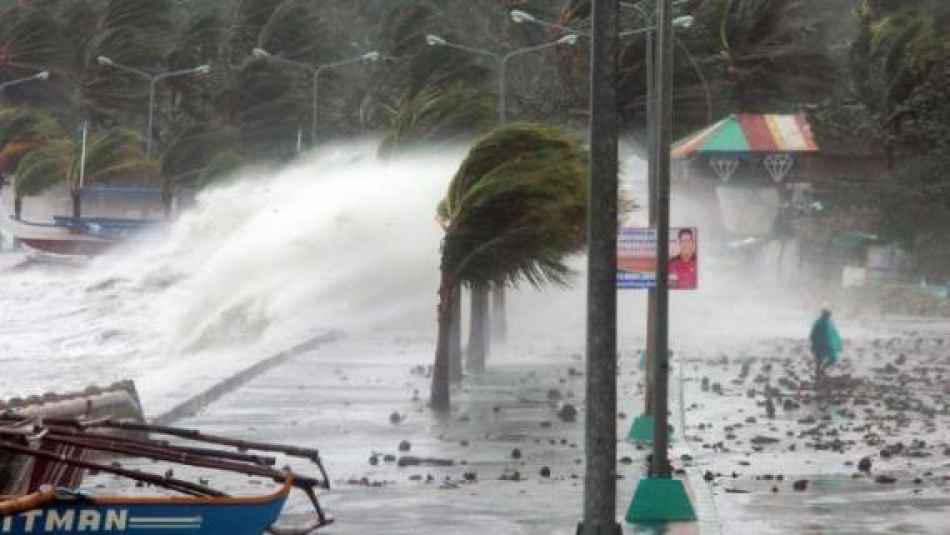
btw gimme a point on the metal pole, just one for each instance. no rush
(661, 465)
(651, 215)
(600, 485)
(151, 105)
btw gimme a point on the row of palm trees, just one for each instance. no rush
(251, 109)
(754, 53)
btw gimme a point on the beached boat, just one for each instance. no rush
(62, 449)
(111, 215)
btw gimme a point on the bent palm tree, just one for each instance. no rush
(514, 210)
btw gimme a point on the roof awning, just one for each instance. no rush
(746, 132)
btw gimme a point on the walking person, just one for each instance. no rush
(825, 344)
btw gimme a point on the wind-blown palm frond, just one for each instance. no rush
(22, 130)
(112, 157)
(191, 153)
(516, 207)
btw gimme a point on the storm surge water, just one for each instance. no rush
(338, 241)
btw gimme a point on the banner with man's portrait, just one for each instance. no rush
(636, 258)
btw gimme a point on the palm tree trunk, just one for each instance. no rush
(498, 314)
(77, 205)
(455, 340)
(478, 340)
(439, 397)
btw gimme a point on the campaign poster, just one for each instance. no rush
(636, 258)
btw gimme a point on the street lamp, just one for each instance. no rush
(520, 17)
(153, 80)
(43, 75)
(683, 22)
(502, 61)
(369, 57)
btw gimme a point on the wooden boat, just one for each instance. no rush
(104, 224)
(62, 447)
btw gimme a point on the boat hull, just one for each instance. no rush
(68, 246)
(64, 514)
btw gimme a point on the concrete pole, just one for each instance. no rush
(661, 465)
(651, 214)
(600, 485)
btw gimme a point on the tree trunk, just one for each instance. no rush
(478, 340)
(455, 340)
(439, 397)
(499, 316)
(77, 205)
(17, 207)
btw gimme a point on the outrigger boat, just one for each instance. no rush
(60, 450)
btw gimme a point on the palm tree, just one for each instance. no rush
(22, 130)
(112, 156)
(514, 209)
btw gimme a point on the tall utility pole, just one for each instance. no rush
(664, 140)
(600, 485)
(659, 497)
(651, 214)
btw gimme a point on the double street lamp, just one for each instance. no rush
(153, 80)
(502, 61)
(40, 76)
(369, 57)
(520, 17)
(682, 22)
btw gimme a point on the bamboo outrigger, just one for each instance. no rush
(62, 449)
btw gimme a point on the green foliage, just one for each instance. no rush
(917, 212)
(516, 207)
(22, 130)
(111, 157)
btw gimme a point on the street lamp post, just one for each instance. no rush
(502, 63)
(368, 57)
(684, 21)
(153, 81)
(40, 76)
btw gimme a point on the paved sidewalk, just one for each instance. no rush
(339, 398)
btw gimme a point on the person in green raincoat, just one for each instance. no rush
(825, 343)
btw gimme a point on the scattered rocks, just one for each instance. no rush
(404, 445)
(516, 453)
(801, 485)
(864, 464)
(567, 413)
(545, 472)
(885, 479)
(395, 418)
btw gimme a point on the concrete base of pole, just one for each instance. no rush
(614, 529)
(660, 500)
(642, 430)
